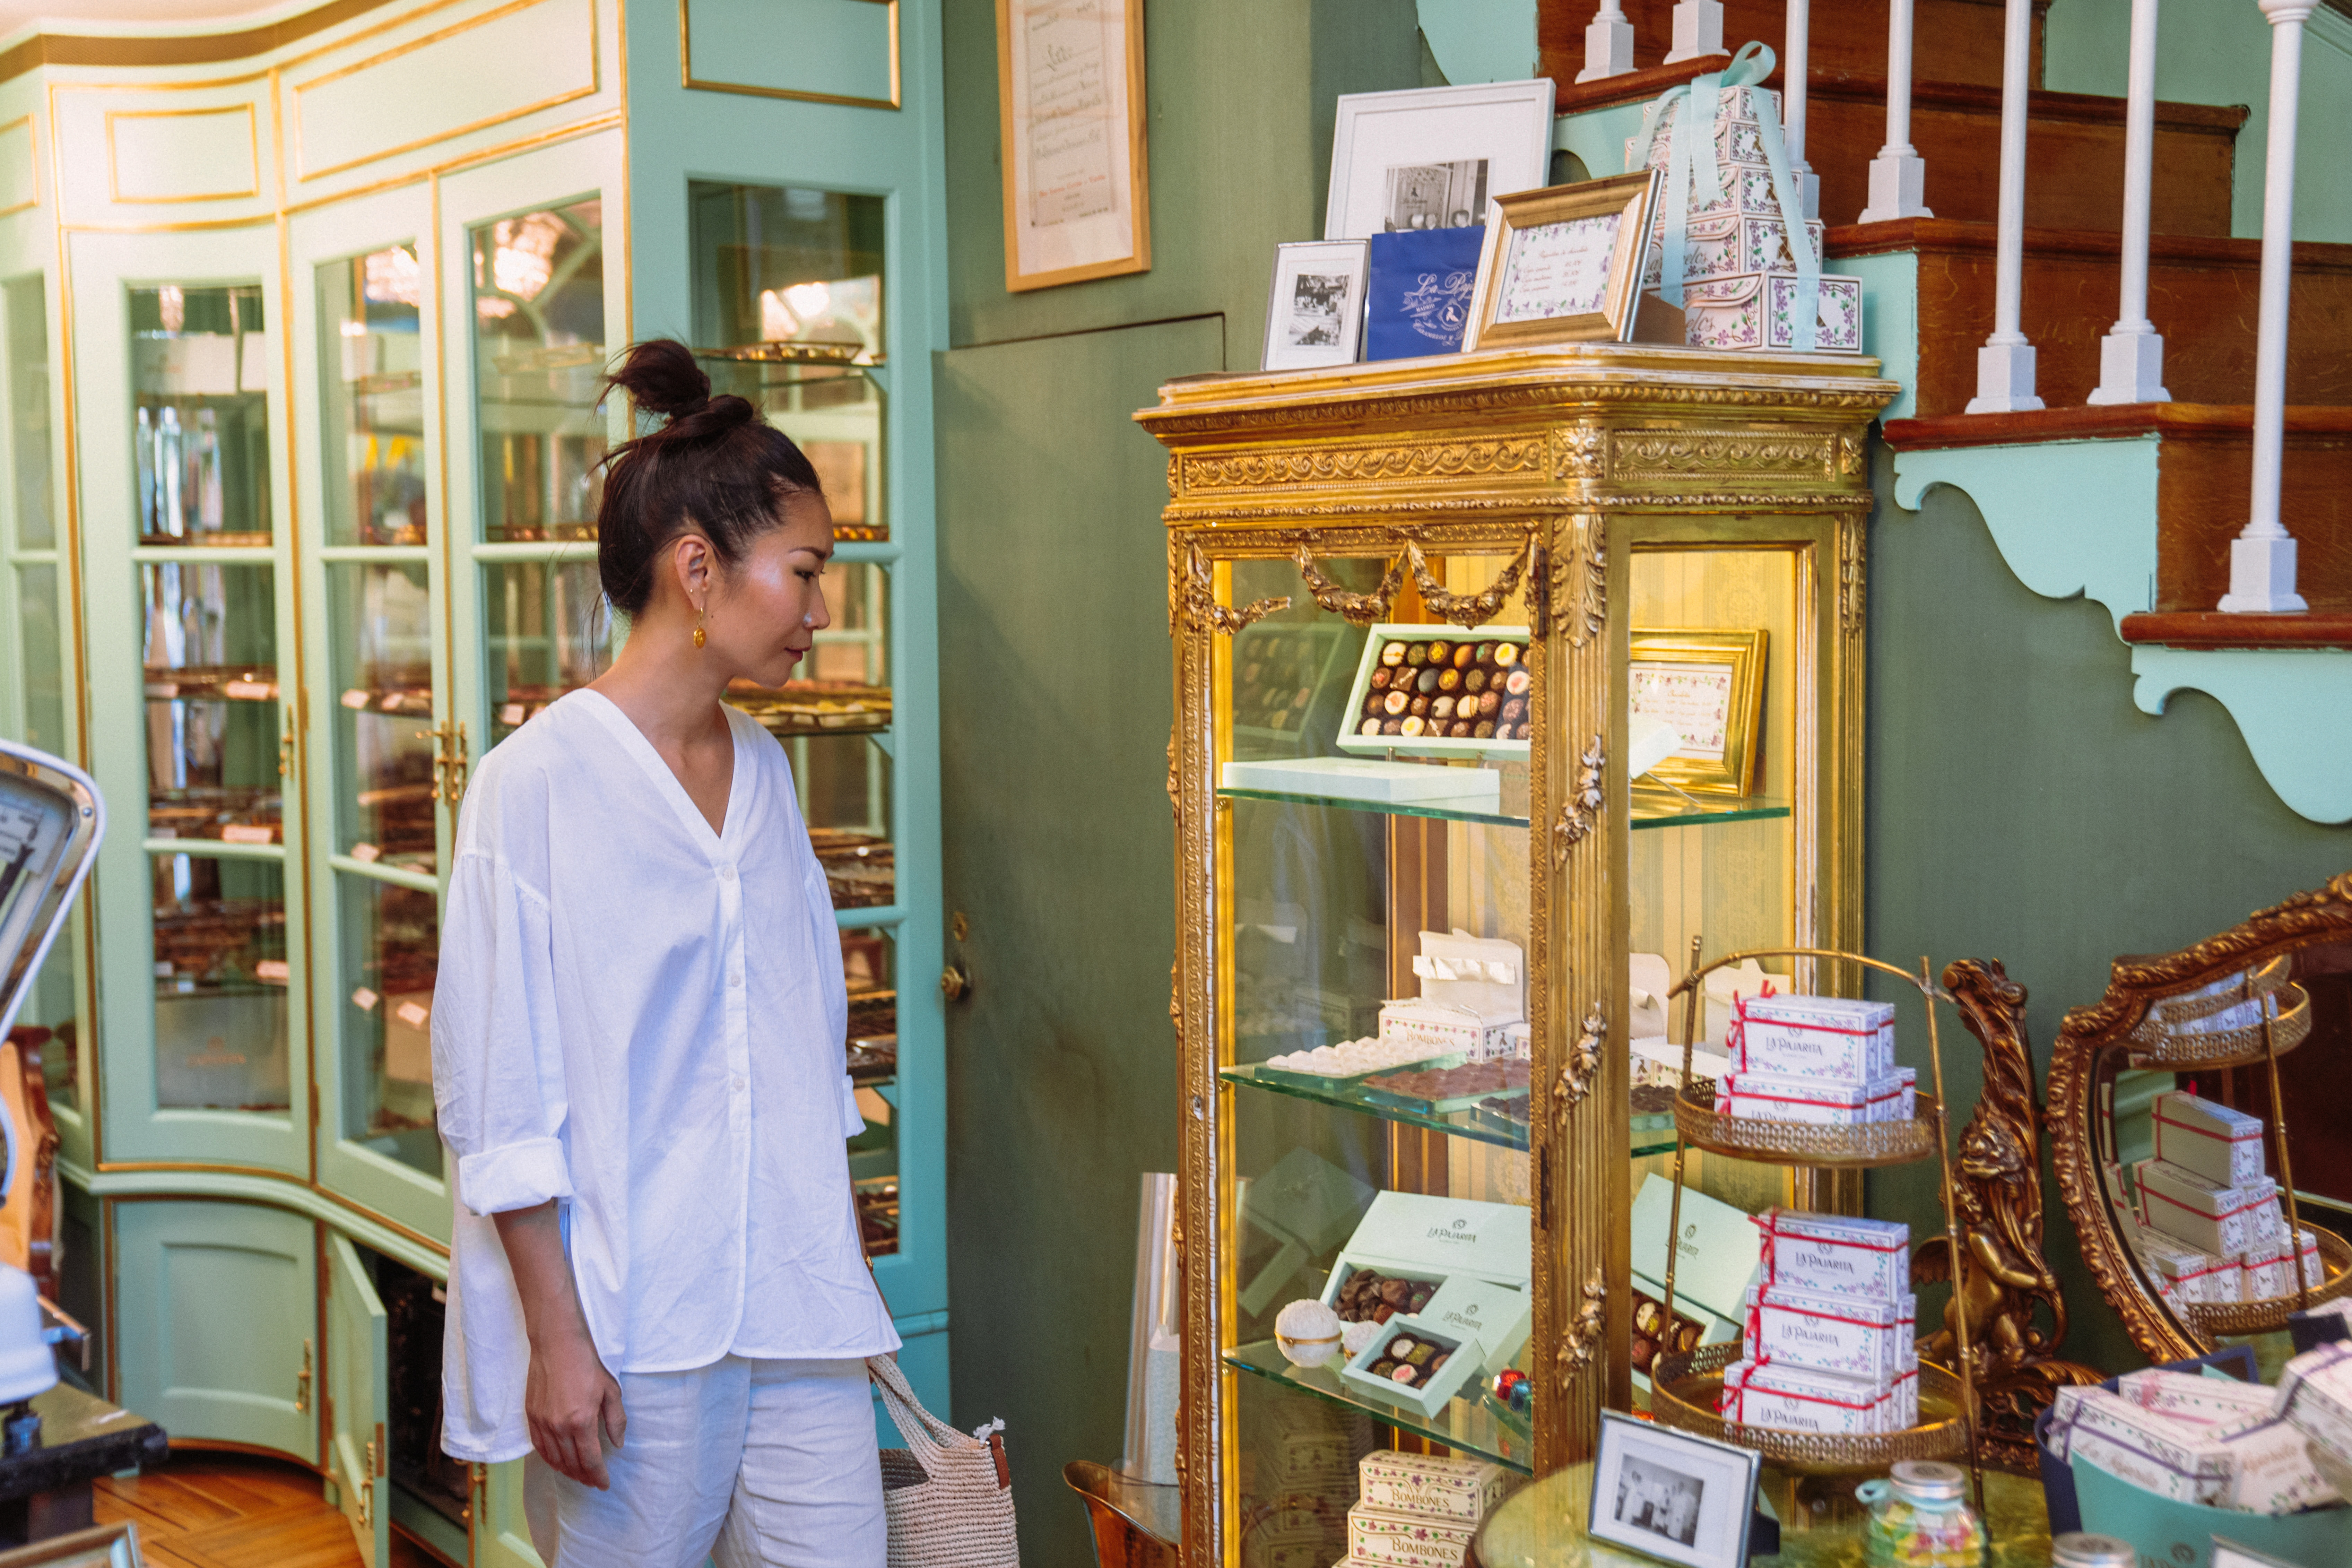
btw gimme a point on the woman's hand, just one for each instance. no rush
(571, 1402)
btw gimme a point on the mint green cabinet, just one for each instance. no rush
(357, 1376)
(215, 1330)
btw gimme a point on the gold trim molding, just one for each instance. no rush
(687, 79)
(114, 160)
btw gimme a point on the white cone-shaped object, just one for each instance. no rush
(26, 1365)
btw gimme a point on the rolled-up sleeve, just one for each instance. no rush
(497, 1063)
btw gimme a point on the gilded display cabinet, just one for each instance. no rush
(302, 411)
(1598, 505)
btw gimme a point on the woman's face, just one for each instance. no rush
(763, 614)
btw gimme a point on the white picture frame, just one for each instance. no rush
(1672, 1496)
(1314, 305)
(1402, 159)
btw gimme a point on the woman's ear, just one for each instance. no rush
(690, 558)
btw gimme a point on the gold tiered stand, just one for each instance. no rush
(1686, 1389)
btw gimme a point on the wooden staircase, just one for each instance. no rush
(2203, 284)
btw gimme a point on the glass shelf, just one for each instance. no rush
(1649, 811)
(1464, 1426)
(1648, 1140)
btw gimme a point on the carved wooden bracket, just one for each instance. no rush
(1583, 1062)
(1356, 609)
(1578, 589)
(1202, 611)
(1575, 823)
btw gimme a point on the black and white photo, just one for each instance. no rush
(1673, 1496)
(1435, 195)
(1431, 158)
(1315, 305)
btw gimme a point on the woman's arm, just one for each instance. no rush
(569, 1396)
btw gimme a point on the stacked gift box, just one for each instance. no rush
(1820, 1059)
(2212, 1441)
(2211, 1226)
(1831, 1337)
(1472, 1001)
(1419, 1510)
(1739, 277)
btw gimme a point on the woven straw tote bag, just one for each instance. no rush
(950, 1497)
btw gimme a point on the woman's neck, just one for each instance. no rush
(669, 689)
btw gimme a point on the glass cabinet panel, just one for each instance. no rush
(539, 324)
(200, 370)
(381, 618)
(391, 946)
(213, 714)
(29, 457)
(371, 390)
(547, 631)
(220, 982)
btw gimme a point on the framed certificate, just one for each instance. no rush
(1709, 686)
(1070, 106)
(1564, 265)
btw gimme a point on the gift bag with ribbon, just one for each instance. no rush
(1722, 249)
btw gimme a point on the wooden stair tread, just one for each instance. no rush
(1980, 236)
(2212, 629)
(2111, 421)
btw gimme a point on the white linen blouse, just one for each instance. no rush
(644, 1020)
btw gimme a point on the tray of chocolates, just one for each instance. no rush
(1368, 1296)
(1506, 1113)
(1437, 1090)
(1410, 1358)
(1437, 690)
(1413, 1363)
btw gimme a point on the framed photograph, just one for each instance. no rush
(1564, 265)
(1709, 685)
(1433, 157)
(100, 1546)
(1315, 311)
(2228, 1554)
(1672, 1496)
(1070, 107)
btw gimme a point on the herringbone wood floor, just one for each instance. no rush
(212, 1510)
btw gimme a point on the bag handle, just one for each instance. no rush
(922, 1430)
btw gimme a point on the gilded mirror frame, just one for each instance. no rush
(2091, 1036)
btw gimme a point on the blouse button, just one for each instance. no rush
(735, 979)
(726, 873)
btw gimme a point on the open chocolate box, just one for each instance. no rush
(1415, 1365)
(1440, 691)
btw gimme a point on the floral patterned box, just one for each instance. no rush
(1758, 310)
(1437, 1486)
(1407, 1540)
(1727, 245)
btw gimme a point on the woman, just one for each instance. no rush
(656, 1284)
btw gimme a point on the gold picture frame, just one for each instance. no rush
(1710, 679)
(1077, 171)
(1564, 264)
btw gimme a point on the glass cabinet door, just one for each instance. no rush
(379, 739)
(183, 469)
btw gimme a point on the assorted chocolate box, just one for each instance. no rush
(1431, 690)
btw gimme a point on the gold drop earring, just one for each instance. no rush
(698, 637)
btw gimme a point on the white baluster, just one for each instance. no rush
(2131, 357)
(2262, 559)
(1698, 30)
(1898, 176)
(2005, 364)
(1792, 103)
(1608, 43)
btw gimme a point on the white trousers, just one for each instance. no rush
(753, 1464)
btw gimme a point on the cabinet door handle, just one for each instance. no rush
(286, 745)
(302, 1382)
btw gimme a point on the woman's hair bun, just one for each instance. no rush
(661, 377)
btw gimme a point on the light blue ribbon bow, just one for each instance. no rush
(1691, 162)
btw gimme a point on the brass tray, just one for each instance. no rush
(2227, 1048)
(2215, 1319)
(2168, 1014)
(1684, 1391)
(1802, 1143)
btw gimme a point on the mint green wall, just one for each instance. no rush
(2219, 51)
(1055, 691)
(2021, 808)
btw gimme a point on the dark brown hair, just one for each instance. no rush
(714, 465)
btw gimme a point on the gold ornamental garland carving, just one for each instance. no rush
(1468, 610)
(1578, 588)
(1575, 823)
(1202, 611)
(1581, 1344)
(1583, 1062)
(1366, 464)
(1356, 609)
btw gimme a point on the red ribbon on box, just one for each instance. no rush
(1768, 1224)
